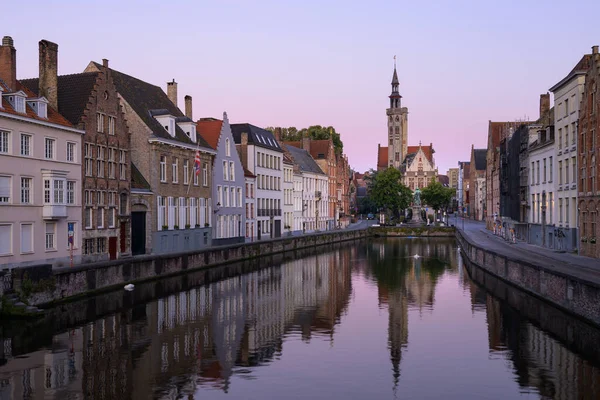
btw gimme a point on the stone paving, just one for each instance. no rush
(585, 268)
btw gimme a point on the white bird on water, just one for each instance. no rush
(416, 256)
(129, 287)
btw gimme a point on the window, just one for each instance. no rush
(101, 245)
(225, 197)
(111, 217)
(99, 122)
(538, 171)
(112, 153)
(122, 165)
(162, 212)
(100, 218)
(123, 203)
(70, 151)
(195, 177)
(225, 171)
(574, 169)
(5, 239)
(227, 149)
(163, 168)
(550, 169)
(26, 190)
(567, 136)
(59, 194)
(566, 108)
(89, 162)
(26, 238)
(4, 141)
(567, 211)
(70, 192)
(186, 168)
(111, 125)
(544, 170)
(88, 216)
(100, 162)
(560, 210)
(175, 165)
(560, 172)
(232, 197)
(567, 171)
(239, 196)
(25, 145)
(89, 246)
(205, 174)
(47, 192)
(50, 236)
(49, 148)
(231, 170)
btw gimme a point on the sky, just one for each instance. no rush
(283, 63)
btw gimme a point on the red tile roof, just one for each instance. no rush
(428, 150)
(210, 130)
(321, 146)
(53, 116)
(382, 157)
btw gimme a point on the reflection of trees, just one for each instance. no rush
(404, 280)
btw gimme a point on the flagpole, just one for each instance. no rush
(191, 182)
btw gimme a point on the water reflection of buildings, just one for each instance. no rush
(169, 347)
(406, 282)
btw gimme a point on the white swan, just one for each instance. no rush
(416, 256)
(129, 287)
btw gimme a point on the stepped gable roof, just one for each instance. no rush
(210, 130)
(74, 93)
(144, 98)
(382, 157)
(304, 160)
(137, 179)
(256, 136)
(480, 156)
(54, 116)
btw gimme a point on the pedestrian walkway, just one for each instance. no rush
(585, 268)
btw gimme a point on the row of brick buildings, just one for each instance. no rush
(538, 178)
(102, 165)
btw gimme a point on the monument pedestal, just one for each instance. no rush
(416, 219)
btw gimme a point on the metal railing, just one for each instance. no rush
(7, 283)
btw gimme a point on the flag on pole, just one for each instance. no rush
(197, 163)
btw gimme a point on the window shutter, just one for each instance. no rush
(4, 186)
(26, 238)
(5, 239)
(159, 213)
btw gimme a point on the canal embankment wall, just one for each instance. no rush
(578, 296)
(44, 286)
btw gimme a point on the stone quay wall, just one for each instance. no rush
(574, 295)
(68, 283)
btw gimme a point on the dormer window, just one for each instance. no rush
(167, 121)
(17, 101)
(188, 126)
(40, 106)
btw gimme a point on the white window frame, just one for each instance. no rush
(26, 194)
(71, 192)
(49, 148)
(175, 170)
(163, 169)
(9, 251)
(122, 165)
(50, 237)
(22, 251)
(6, 198)
(225, 171)
(100, 122)
(28, 139)
(71, 151)
(4, 141)
(205, 174)
(231, 170)
(111, 125)
(186, 170)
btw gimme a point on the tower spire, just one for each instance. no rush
(395, 96)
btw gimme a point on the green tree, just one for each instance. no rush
(436, 196)
(388, 192)
(316, 132)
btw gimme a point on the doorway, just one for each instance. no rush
(112, 247)
(138, 232)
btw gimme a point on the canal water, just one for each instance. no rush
(380, 319)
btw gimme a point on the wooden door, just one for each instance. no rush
(112, 247)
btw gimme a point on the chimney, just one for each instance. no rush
(8, 63)
(595, 49)
(188, 106)
(105, 63)
(544, 104)
(278, 134)
(172, 92)
(49, 72)
(306, 143)
(244, 139)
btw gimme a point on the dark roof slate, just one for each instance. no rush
(74, 92)
(304, 160)
(480, 156)
(144, 97)
(256, 136)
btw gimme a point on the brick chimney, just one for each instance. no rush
(278, 134)
(244, 139)
(49, 72)
(544, 104)
(8, 63)
(188, 106)
(595, 49)
(306, 143)
(172, 91)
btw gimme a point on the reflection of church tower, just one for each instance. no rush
(397, 125)
(397, 329)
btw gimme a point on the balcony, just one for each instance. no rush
(54, 211)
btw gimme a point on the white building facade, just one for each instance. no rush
(567, 98)
(263, 157)
(541, 188)
(288, 195)
(40, 183)
(250, 181)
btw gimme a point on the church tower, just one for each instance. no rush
(397, 125)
